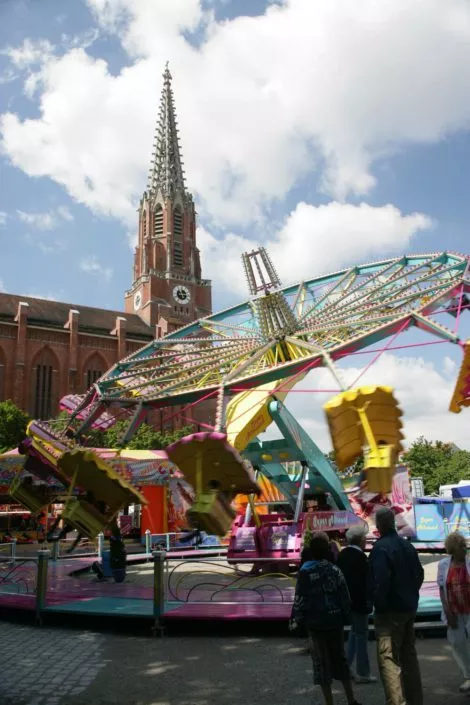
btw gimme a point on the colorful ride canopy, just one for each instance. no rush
(282, 333)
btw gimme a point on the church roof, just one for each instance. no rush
(55, 314)
(166, 172)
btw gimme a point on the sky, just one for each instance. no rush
(334, 132)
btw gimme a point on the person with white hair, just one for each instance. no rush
(453, 578)
(354, 564)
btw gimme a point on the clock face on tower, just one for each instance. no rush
(137, 300)
(181, 294)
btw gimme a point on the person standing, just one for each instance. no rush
(397, 576)
(322, 605)
(353, 563)
(453, 579)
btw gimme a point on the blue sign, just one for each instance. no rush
(435, 521)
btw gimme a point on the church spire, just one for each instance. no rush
(166, 172)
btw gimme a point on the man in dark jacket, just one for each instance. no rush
(397, 576)
(353, 563)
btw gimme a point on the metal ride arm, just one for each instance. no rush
(296, 445)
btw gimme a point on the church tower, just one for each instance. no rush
(167, 290)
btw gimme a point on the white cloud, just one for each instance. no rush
(92, 266)
(314, 239)
(263, 101)
(422, 390)
(48, 220)
(8, 75)
(65, 213)
(41, 221)
(30, 52)
(3, 217)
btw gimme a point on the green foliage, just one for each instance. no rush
(437, 463)
(60, 423)
(307, 537)
(146, 437)
(13, 422)
(456, 468)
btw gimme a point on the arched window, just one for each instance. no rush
(93, 369)
(2, 375)
(158, 221)
(178, 237)
(44, 385)
(144, 225)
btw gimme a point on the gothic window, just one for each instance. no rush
(144, 225)
(2, 375)
(158, 221)
(93, 369)
(178, 237)
(93, 376)
(44, 393)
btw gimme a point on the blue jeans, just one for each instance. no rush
(357, 644)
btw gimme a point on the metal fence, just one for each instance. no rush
(214, 581)
(8, 551)
(172, 583)
(17, 575)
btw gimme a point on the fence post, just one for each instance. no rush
(13, 550)
(55, 550)
(148, 543)
(100, 545)
(158, 590)
(41, 582)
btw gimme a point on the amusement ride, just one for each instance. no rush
(246, 359)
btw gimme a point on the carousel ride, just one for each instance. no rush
(247, 359)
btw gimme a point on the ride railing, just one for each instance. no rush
(212, 582)
(177, 541)
(18, 576)
(65, 548)
(156, 589)
(8, 551)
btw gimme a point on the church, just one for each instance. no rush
(49, 349)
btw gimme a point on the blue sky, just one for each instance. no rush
(292, 115)
(429, 178)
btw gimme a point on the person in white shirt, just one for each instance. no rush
(453, 579)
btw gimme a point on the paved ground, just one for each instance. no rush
(54, 666)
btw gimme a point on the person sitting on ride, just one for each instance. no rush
(323, 505)
(317, 503)
(311, 505)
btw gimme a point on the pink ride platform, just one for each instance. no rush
(244, 596)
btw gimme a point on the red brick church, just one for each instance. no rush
(49, 349)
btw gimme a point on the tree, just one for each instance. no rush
(430, 460)
(146, 437)
(13, 422)
(450, 472)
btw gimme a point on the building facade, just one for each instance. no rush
(49, 349)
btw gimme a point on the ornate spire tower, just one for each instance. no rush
(167, 290)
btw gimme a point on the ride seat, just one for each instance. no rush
(84, 517)
(211, 513)
(380, 469)
(33, 498)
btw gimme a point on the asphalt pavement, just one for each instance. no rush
(57, 666)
